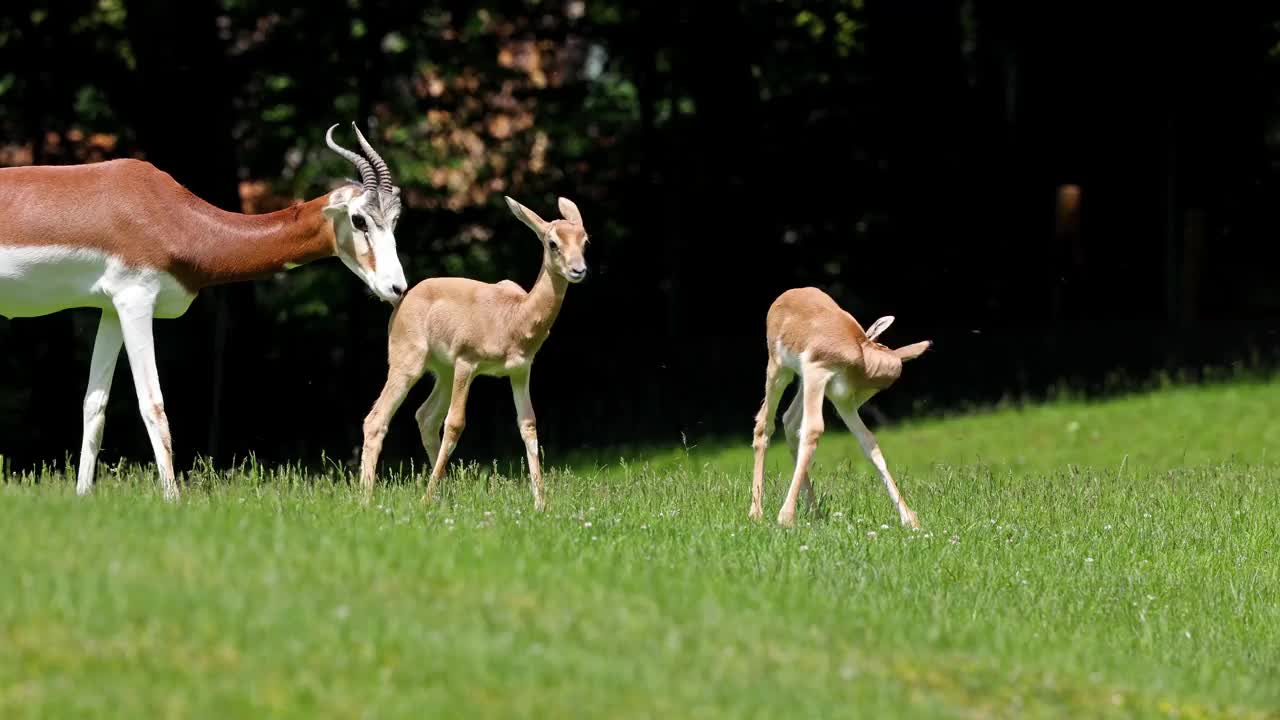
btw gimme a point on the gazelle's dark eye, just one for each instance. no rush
(358, 222)
(555, 246)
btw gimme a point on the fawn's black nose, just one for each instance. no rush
(398, 289)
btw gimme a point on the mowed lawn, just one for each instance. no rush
(1077, 560)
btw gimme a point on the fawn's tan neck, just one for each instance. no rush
(541, 306)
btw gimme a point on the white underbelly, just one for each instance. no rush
(41, 280)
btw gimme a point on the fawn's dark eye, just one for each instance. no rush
(555, 246)
(359, 223)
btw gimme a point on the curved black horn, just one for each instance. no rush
(384, 173)
(367, 175)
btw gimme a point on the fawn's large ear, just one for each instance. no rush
(879, 326)
(528, 217)
(569, 211)
(912, 351)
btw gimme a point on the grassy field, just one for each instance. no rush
(1077, 560)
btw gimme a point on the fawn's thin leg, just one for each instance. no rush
(400, 380)
(812, 392)
(776, 379)
(528, 425)
(454, 422)
(849, 413)
(791, 428)
(430, 415)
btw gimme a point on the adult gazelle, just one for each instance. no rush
(123, 236)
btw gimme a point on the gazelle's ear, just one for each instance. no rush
(340, 201)
(337, 207)
(569, 211)
(528, 217)
(879, 326)
(912, 351)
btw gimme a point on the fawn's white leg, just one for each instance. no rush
(791, 428)
(849, 413)
(776, 380)
(430, 415)
(813, 390)
(399, 381)
(529, 433)
(454, 422)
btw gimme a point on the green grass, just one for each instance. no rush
(1077, 560)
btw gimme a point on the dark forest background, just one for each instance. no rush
(1055, 193)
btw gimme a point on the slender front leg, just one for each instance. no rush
(136, 311)
(528, 425)
(106, 349)
(849, 413)
(776, 379)
(454, 422)
(811, 426)
(399, 381)
(791, 428)
(430, 415)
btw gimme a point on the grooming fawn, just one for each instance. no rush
(810, 336)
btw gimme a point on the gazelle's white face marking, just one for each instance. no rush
(366, 241)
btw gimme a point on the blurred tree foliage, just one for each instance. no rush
(906, 157)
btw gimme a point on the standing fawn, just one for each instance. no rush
(810, 335)
(457, 328)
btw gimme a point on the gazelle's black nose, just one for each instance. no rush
(398, 289)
